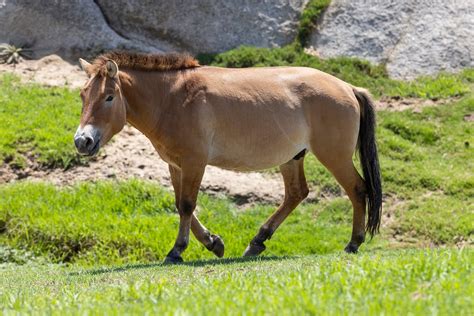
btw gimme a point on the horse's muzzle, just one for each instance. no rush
(87, 143)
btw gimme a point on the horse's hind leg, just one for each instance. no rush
(212, 242)
(342, 167)
(296, 190)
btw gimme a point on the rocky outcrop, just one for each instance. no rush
(66, 28)
(72, 28)
(411, 37)
(207, 26)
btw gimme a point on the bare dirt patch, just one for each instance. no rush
(416, 105)
(51, 70)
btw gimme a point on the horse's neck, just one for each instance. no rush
(144, 104)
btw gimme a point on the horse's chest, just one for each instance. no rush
(167, 156)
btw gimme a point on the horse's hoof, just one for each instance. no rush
(254, 250)
(173, 259)
(217, 246)
(351, 248)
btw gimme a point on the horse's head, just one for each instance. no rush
(103, 107)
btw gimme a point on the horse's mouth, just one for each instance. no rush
(94, 149)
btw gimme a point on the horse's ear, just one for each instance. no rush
(112, 68)
(86, 66)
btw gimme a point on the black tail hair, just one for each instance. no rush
(369, 160)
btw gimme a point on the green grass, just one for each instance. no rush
(134, 221)
(37, 122)
(415, 282)
(355, 71)
(429, 150)
(308, 20)
(12, 256)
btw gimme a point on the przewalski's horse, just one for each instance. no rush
(239, 119)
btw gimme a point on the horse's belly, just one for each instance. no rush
(252, 156)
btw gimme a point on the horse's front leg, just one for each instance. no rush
(190, 181)
(212, 242)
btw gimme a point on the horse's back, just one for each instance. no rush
(291, 87)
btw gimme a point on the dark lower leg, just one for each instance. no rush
(296, 190)
(182, 240)
(190, 179)
(266, 231)
(354, 186)
(212, 242)
(357, 197)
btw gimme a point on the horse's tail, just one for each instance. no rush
(369, 159)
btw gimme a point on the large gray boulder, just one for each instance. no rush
(204, 26)
(72, 28)
(67, 28)
(411, 37)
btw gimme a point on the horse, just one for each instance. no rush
(238, 119)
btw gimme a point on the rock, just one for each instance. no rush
(66, 28)
(200, 26)
(411, 37)
(74, 28)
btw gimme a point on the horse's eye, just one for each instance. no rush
(109, 98)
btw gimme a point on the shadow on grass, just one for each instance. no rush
(197, 263)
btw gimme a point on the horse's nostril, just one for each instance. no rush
(89, 142)
(84, 143)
